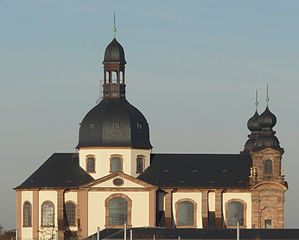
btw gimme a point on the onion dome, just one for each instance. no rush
(114, 122)
(253, 124)
(114, 53)
(267, 119)
(267, 140)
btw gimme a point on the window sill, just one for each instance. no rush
(186, 226)
(234, 227)
(27, 226)
(48, 226)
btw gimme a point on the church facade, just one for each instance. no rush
(113, 178)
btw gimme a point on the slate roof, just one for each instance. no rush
(61, 170)
(198, 170)
(97, 129)
(164, 233)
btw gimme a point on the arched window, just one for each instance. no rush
(114, 77)
(70, 210)
(268, 166)
(107, 76)
(27, 214)
(139, 164)
(235, 213)
(116, 164)
(90, 164)
(185, 213)
(47, 214)
(118, 211)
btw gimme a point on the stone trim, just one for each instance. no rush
(152, 208)
(35, 215)
(18, 214)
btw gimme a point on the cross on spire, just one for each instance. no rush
(267, 98)
(256, 102)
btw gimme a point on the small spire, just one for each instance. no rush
(256, 102)
(267, 98)
(114, 28)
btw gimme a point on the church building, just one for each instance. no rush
(113, 178)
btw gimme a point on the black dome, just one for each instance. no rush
(253, 124)
(267, 140)
(114, 122)
(267, 119)
(114, 53)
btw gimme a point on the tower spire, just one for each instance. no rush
(114, 28)
(256, 102)
(267, 98)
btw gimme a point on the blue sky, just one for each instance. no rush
(193, 67)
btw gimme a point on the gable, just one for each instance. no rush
(118, 180)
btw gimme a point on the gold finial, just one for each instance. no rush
(114, 28)
(251, 172)
(267, 98)
(256, 102)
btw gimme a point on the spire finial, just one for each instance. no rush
(256, 102)
(267, 98)
(114, 28)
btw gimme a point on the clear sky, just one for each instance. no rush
(193, 67)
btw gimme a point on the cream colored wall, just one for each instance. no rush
(196, 197)
(246, 197)
(96, 209)
(211, 198)
(72, 196)
(47, 232)
(103, 160)
(26, 231)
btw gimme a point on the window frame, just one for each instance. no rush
(86, 162)
(75, 205)
(30, 214)
(266, 174)
(129, 214)
(42, 214)
(268, 219)
(121, 162)
(194, 213)
(244, 212)
(143, 163)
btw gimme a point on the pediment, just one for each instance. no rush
(118, 180)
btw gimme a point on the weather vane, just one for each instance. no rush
(114, 28)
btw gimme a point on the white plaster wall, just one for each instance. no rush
(72, 196)
(96, 209)
(246, 197)
(26, 231)
(102, 156)
(196, 197)
(212, 201)
(48, 232)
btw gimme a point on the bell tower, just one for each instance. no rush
(267, 184)
(114, 69)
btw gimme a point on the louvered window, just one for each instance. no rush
(235, 213)
(27, 214)
(70, 210)
(268, 167)
(186, 213)
(139, 163)
(118, 211)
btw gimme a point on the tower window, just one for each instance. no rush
(268, 166)
(48, 214)
(27, 214)
(268, 223)
(139, 125)
(90, 164)
(116, 125)
(70, 210)
(114, 77)
(140, 164)
(116, 164)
